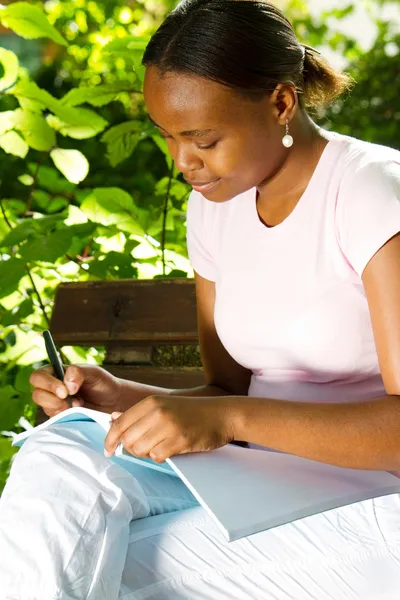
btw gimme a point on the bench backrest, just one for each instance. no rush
(148, 327)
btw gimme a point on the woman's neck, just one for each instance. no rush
(277, 197)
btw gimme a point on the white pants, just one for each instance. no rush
(75, 525)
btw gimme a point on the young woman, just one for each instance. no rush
(293, 235)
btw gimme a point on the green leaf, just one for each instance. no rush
(50, 179)
(21, 382)
(30, 92)
(35, 129)
(18, 313)
(96, 96)
(112, 206)
(11, 338)
(29, 22)
(56, 204)
(20, 233)
(115, 265)
(42, 199)
(72, 164)
(47, 248)
(6, 450)
(162, 145)
(77, 123)
(11, 272)
(12, 143)
(30, 227)
(122, 139)
(10, 65)
(127, 46)
(7, 120)
(11, 407)
(114, 199)
(26, 179)
(82, 230)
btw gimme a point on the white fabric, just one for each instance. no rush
(75, 525)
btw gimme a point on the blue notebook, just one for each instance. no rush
(246, 491)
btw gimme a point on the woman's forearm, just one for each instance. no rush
(362, 435)
(132, 392)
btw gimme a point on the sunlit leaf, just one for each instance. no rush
(10, 65)
(126, 46)
(83, 123)
(35, 130)
(72, 164)
(12, 143)
(112, 206)
(79, 123)
(96, 96)
(29, 22)
(121, 140)
(7, 120)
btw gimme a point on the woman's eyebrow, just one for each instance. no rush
(189, 133)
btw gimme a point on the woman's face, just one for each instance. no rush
(223, 143)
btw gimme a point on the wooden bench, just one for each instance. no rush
(148, 327)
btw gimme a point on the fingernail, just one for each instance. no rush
(61, 392)
(115, 415)
(72, 387)
(107, 454)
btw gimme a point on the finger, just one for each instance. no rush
(50, 403)
(42, 379)
(143, 445)
(73, 379)
(118, 432)
(165, 449)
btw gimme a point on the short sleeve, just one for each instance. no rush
(368, 211)
(199, 236)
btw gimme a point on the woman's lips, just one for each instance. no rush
(204, 187)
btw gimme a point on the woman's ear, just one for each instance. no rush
(284, 101)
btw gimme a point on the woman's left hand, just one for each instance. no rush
(159, 427)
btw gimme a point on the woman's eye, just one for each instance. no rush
(208, 147)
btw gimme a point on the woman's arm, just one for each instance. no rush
(223, 375)
(363, 435)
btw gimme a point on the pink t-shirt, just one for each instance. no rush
(290, 303)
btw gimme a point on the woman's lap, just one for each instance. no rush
(175, 551)
(351, 553)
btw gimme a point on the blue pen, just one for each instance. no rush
(55, 360)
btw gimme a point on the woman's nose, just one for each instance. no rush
(185, 159)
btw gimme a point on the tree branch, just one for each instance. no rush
(4, 214)
(38, 297)
(33, 186)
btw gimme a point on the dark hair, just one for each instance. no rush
(248, 45)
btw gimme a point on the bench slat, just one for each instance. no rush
(95, 313)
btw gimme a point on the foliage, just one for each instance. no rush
(88, 190)
(65, 214)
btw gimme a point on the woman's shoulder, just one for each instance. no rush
(358, 154)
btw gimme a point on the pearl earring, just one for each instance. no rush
(287, 139)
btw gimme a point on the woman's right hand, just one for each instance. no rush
(93, 386)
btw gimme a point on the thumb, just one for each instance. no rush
(74, 377)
